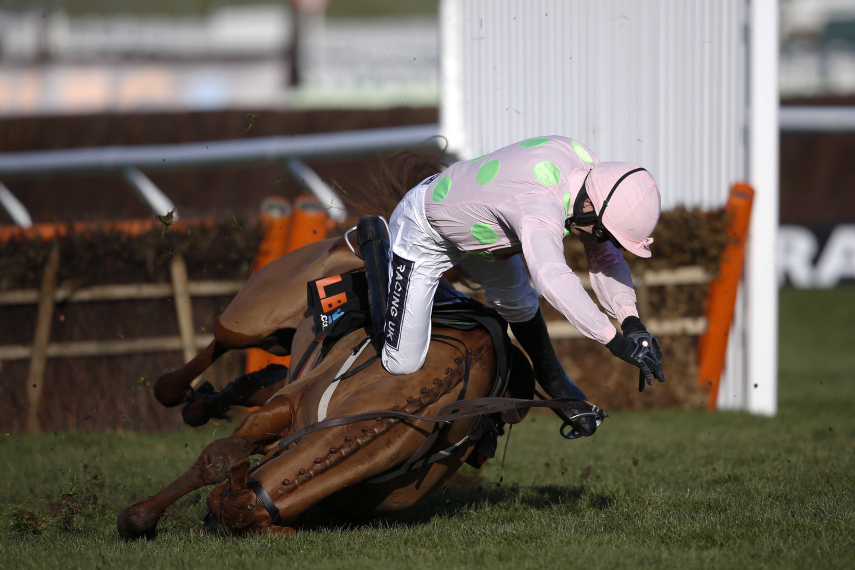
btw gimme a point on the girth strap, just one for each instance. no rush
(447, 452)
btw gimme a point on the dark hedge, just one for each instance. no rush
(221, 249)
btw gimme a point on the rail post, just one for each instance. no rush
(183, 306)
(41, 339)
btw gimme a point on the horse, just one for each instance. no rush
(378, 451)
(337, 430)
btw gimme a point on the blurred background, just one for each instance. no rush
(132, 56)
(78, 74)
(82, 74)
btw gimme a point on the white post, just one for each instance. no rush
(452, 125)
(761, 283)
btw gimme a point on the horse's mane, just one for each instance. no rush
(396, 175)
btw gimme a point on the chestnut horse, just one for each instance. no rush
(353, 467)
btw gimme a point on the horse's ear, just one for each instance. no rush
(238, 475)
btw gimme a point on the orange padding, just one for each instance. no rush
(310, 222)
(291, 228)
(721, 296)
(132, 228)
(276, 228)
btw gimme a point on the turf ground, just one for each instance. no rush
(669, 489)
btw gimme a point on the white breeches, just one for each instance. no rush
(419, 258)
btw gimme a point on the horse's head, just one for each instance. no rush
(235, 506)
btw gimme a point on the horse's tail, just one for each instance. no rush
(172, 388)
(395, 176)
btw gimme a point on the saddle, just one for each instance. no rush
(341, 304)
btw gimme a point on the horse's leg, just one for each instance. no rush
(171, 388)
(303, 476)
(253, 389)
(258, 430)
(264, 314)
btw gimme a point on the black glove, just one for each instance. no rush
(634, 330)
(640, 356)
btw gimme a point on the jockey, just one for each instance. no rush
(525, 198)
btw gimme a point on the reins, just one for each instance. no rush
(448, 413)
(475, 407)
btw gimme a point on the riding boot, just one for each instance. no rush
(534, 338)
(372, 236)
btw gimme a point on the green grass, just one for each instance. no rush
(657, 489)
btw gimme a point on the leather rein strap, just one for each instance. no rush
(475, 407)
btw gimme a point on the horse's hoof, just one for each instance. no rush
(128, 530)
(198, 411)
(169, 395)
(193, 412)
(169, 399)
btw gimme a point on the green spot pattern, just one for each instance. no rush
(477, 159)
(440, 191)
(484, 233)
(581, 152)
(532, 143)
(487, 172)
(482, 254)
(547, 173)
